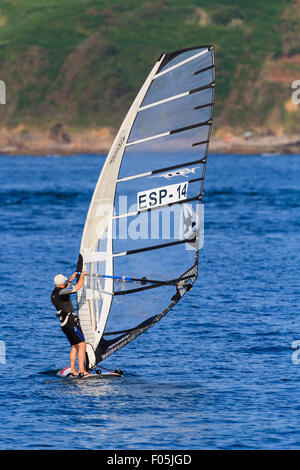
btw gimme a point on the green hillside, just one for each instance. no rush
(81, 62)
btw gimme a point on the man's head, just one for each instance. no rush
(60, 280)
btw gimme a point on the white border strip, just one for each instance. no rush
(128, 214)
(164, 134)
(123, 253)
(139, 175)
(181, 63)
(171, 98)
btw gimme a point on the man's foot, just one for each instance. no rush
(74, 372)
(84, 373)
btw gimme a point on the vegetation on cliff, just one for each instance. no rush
(81, 62)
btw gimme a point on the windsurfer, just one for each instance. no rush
(69, 321)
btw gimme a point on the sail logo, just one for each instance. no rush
(181, 172)
(118, 147)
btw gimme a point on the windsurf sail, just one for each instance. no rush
(141, 240)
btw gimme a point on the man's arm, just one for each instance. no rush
(71, 279)
(72, 290)
(79, 284)
(67, 291)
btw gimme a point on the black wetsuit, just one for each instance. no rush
(69, 321)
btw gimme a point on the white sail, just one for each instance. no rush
(156, 164)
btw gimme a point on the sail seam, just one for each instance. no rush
(162, 284)
(145, 139)
(156, 247)
(192, 126)
(203, 106)
(164, 134)
(139, 175)
(171, 98)
(204, 69)
(202, 88)
(175, 97)
(201, 143)
(196, 179)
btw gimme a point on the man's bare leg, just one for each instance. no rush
(73, 354)
(81, 358)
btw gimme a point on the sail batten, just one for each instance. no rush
(146, 139)
(145, 220)
(157, 103)
(169, 132)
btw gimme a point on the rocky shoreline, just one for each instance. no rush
(57, 141)
(262, 145)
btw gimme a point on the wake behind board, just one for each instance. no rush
(98, 373)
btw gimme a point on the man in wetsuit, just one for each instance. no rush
(69, 321)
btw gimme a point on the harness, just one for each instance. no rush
(65, 321)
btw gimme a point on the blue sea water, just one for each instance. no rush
(215, 373)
